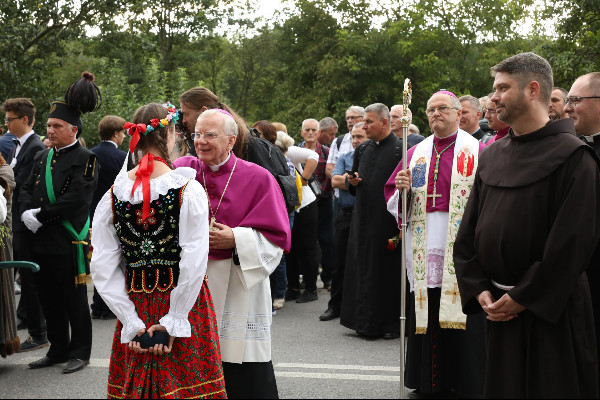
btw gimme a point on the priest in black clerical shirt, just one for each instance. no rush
(371, 298)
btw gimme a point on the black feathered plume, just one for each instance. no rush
(83, 94)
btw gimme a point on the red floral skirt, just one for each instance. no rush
(192, 369)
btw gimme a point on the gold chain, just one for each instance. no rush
(214, 214)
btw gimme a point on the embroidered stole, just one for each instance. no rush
(464, 165)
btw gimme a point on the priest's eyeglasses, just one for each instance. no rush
(574, 100)
(442, 109)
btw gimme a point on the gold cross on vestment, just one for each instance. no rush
(421, 298)
(435, 194)
(454, 293)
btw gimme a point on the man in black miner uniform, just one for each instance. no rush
(110, 162)
(55, 206)
(20, 116)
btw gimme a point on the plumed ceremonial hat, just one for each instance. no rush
(81, 97)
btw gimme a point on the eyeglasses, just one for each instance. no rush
(353, 117)
(207, 136)
(574, 100)
(442, 109)
(490, 111)
(8, 120)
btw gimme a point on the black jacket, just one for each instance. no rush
(75, 177)
(32, 146)
(110, 162)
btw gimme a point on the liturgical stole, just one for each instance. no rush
(464, 165)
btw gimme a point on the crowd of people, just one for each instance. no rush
(208, 226)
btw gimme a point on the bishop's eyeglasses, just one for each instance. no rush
(575, 100)
(442, 109)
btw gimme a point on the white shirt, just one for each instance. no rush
(3, 209)
(22, 141)
(110, 141)
(107, 258)
(298, 156)
(590, 139)
(334, 153)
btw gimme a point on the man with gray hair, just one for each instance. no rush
(469, 120)
(371, 295)
(528, 233)
(343, 144)
(328, 128)
(396, 113)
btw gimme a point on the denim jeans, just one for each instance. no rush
(279, 277)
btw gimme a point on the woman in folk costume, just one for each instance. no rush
(249, 231)
(9, 341)
(154, 220)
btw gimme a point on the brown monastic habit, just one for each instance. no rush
(533, 222)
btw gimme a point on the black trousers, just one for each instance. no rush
(29, 309)
(302, 258)
(342, 232)
(325, 237)
(64, 305)
(250, 380)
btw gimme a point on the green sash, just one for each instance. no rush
(78, 237)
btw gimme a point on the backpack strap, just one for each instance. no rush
(338, 142)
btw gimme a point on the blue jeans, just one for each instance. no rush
(279, 277)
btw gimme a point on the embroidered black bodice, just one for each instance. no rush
(151, 247)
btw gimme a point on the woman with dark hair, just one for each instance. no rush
(267, 130)
(154, 220)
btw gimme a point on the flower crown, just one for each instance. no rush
(135, 130)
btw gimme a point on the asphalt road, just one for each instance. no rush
(312, 359)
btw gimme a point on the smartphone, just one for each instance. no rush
(351, 173)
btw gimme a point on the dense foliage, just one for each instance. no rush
(319, 58)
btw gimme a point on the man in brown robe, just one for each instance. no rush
(529, 231)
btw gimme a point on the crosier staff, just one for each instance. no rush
(406, 99)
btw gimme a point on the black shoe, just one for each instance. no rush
(307, 296)
(45, 362)
(391, 335)
(327, 285)
(329, 315)
(33, 344)
(291, 294)
(95, 316)
(74, 365)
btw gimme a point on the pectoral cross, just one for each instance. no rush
(421, 298)
(454, 293)
(435, 194)
(212, 224)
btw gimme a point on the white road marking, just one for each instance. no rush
(104, 363)
(351, 377)
(339, 367)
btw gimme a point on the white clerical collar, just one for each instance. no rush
(24, 138)
(449, 136)
(215, 168)
(110, 141)
(590, 138)
(67, 146)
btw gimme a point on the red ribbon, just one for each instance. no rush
(142, 175)
(134, 130)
